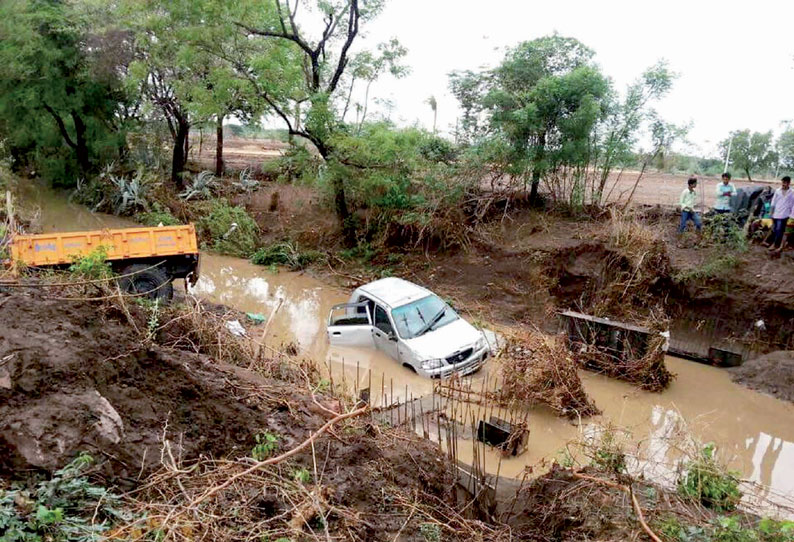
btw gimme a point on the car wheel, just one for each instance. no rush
(409, 366)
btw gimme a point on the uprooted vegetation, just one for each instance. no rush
(539, 369)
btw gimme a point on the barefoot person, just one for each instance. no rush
(782, 204)
(724, 192)
(688, 200)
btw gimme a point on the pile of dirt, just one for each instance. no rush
(772, 373)
(76, 376)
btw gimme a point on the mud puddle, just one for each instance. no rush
(754, 432)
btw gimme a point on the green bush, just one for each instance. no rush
(67, 507)
(157, 216)
(723, 230)
(285, 253)
(92, 266)
(706, 481)
(229, 229)
(726, 529)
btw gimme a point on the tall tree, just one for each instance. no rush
(314, 79)
(59, 104)
(750, 151)
(785, 149)
(546, 97)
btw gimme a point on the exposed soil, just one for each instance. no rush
(772, 373)
(238, 153)
(75, 377)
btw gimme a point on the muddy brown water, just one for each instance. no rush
(753, 432)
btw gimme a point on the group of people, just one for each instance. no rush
(772, 209)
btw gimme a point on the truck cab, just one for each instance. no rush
(410, 324)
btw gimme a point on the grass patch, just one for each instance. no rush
(718, 266)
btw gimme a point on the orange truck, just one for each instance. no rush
(147, 259)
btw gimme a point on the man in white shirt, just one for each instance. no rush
(782, 205)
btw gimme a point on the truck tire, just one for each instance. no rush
(153, 282)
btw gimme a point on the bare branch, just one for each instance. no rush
(282, 35)
(61, 125)
(352, 31)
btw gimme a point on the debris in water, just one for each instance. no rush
(235, 328)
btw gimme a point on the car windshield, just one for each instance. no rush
(417, 318)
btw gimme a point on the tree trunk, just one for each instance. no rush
(187, 147)
(349, 96)
(340, 200)
(435, 116)
(219, 147)
(536, 170)
(533, 190)
(81, 145)
(748, 174)
(179, 155)
(366, 103)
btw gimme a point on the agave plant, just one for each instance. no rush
(246, 181)
(130, 193)
(202, 186)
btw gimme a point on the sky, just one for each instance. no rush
(735, 60)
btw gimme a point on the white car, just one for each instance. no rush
(410, 324)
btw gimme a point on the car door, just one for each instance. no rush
(350, 324)
(384, 335)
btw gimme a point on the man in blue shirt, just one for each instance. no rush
(724, 192)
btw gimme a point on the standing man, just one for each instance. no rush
(724, 192)
(782, 205)
(688, 200)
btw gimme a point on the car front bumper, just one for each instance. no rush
(466, 367)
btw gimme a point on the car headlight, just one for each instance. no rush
(430, 364)
(481, 343)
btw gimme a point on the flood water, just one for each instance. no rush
(753, 431)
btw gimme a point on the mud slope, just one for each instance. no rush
(75, 377)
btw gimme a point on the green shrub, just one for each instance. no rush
(723, 230)
(266, 444)
(285, 253)
(92, 266)
(229, 229)
(706, 481)
(608, 455)
(726, 529)
(157, 216)
(67, 507)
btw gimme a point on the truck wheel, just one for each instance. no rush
(153, 282)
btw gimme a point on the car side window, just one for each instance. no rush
(382, 320)
(370, 304)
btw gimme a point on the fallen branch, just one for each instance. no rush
(277, 459)
(627, 489)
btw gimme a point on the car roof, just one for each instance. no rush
(394, 292)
